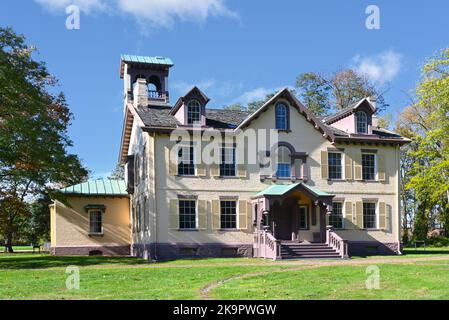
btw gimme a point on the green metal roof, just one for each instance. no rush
(106, 187)
(146, 59)
(281, 189)
(277, 190)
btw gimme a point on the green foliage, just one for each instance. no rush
(33, 133)
(438, 242)
(426, 122)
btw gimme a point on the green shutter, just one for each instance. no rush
(358, 165)
(348, 167)
(381, 166)
(174, 214)
(243, 218)
(382, 216)
(324, 165)
(215, 214)
(359, 214)
(349, 222)
(202, 214)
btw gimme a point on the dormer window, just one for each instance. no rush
(361, 122)
(281, 117)
(193, 112)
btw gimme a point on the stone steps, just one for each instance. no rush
(290, 250)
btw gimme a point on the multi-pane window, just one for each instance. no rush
(186, 165)
(369, 215)
(336, 217)
(361, 122)
(228, 214)
(368, 166)
(284, 165)
(187, 214)
(227, 163)
(193, 112)
(303, 221)
(95, 222)
(334, 160)
(281, 117)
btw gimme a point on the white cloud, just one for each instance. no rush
(380, 68)
(165, 12)
(256, 94)
(183, 87)
(150, 13)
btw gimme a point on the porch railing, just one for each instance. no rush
(338, 243)
(266, 245)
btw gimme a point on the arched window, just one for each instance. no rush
(284, 167)
(281, 117)
(193, 112)
(361, 122)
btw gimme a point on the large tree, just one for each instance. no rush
(33, 133)
(427, 122)
(324, 94)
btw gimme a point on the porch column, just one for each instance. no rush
(325, 210)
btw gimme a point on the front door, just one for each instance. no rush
(283, 223)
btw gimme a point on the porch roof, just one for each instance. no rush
(282, 189)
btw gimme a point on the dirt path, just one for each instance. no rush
(205, 292)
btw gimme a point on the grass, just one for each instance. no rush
(39, 276)
(342, 282)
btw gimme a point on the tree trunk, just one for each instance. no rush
(8, 243)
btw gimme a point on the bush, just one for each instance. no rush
(438, 241)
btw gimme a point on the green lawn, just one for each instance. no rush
(35, 276)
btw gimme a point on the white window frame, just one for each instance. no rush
(342, 214)
(192, 147)
(237, 210)
(196, 214)
(285, 116)
(278, 162)
(376, 213)
(342, 164)
(90, 211)
(187, 111)
(376, 176)
(229, 146)
(357, 122)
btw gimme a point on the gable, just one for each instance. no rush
(295, 108)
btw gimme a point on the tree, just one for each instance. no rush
(33, 134)
(118, 173)
(254, 105)
(426, 121)
(324, 94)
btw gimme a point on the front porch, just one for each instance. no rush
(291, 222)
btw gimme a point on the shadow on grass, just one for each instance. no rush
(41, 261)
(424, 252)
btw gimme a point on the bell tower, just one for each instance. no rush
(145, 79)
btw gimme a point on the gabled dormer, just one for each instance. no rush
(190, 109)
(356, 119)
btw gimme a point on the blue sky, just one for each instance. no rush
(236, 51)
